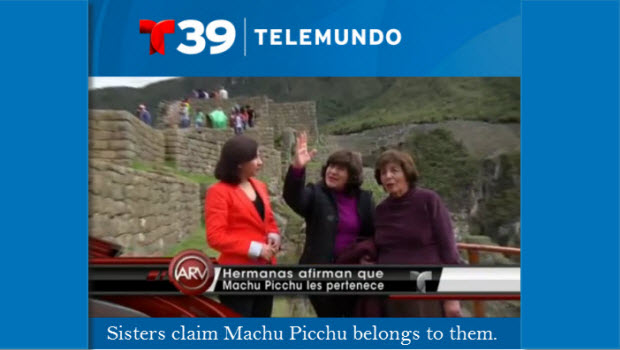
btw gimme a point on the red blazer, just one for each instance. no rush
(232, 222)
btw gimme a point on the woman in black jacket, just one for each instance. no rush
(338, 215)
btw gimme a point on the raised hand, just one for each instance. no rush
(302, 156)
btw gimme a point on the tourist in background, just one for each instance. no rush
(339, 215)
(184, 112)
(218, 119)
(236, 120)
(144, 114)
(223, 94)
(412, 228)
(251, 115)
(238, 124)
(199, 119)
(245, 117)
(233, 115)
(239, 220)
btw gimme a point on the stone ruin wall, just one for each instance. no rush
(145, 212)
(192, 152)
(296, 115)
(271, 172)
(197, 151)
(121, 138)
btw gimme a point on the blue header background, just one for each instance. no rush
(569, 199)
(441, 37)
(44, 176)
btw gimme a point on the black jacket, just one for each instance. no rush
(317, 205)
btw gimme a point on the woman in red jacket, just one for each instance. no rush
(239, 220)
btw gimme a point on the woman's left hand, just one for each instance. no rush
(274, 242)
(366, 260)
(275, 247)
(452, 308)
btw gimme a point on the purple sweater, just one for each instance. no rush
(415, 229)
(348, 218)
(348, 222)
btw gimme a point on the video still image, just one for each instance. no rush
(304, 196)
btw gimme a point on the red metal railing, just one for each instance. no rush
(473, 257)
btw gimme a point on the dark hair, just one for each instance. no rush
(236, 151)
(403, 159)
(353, 163)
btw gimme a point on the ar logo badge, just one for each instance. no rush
(191, 271)
(157, 31)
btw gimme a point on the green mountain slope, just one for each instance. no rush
(346, 105)
(429, 100)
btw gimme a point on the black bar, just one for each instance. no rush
(295, 279)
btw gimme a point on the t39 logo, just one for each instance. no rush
(157, 31)
(191, 272)
(219, 31)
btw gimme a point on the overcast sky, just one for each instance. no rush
(136, 82)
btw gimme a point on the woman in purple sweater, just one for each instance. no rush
(338, 216)
(412, 227)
